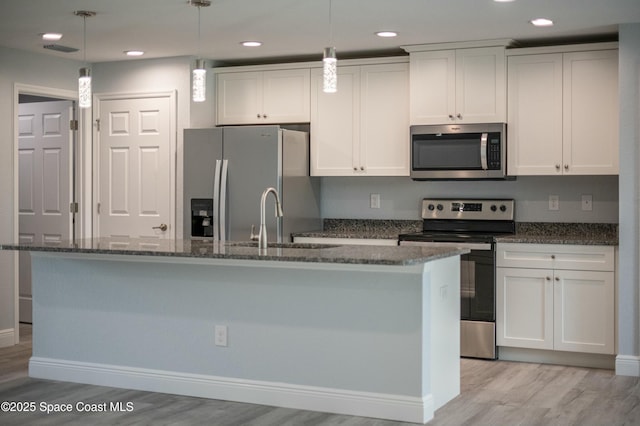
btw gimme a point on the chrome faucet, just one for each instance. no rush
(262, 235)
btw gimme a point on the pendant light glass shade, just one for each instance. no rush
(84, 81)
(199, 82)
(84, 88)
(330, 70)
(199, 73)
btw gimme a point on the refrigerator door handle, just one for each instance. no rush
(223, 200)
(216, 201)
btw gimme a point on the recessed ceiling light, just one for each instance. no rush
(542, 22)
(386, 33)
(134, 52)
(251, 43)
(51, 36)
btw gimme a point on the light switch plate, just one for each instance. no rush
(554, 202)
(587, 202)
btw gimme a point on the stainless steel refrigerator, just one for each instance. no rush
(226, 169)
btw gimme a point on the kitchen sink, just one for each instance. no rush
(307, 246)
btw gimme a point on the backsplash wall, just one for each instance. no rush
(348, 197)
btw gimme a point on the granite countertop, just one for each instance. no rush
(246, 250)
(363, 229)
(563, 233)
(526, 232)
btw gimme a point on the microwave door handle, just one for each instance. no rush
(483, 151)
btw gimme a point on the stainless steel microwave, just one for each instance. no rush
(459, 151)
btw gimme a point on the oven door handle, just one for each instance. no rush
(470, 246)
(483, 151)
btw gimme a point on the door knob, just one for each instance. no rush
(163, 227)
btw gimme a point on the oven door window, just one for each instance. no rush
(447, 152)
(477, 286)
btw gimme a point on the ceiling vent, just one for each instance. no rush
(60, 48)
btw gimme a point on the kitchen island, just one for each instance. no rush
(360, 330)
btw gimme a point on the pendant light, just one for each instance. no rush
(330, 63)
(199, 73)
(84, 80)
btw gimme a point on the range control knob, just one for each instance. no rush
(431, 207)
(503, 208)
(440, 207)
(493, 207)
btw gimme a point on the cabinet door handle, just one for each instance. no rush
(553, 256)
(548, 278)
(557, 166)
(362, 168)
(258, 115)
(450, 116)
(566, 167)
(264, 115)
(459, 116)
(557, 278)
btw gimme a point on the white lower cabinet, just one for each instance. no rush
(556, 297)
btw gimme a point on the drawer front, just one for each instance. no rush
(555, 256)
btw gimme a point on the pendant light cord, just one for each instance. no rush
(84, 39)
(199, 7)
(330, 23)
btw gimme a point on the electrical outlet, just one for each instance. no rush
(587, 202)
(374, 201)
(221, 335)
(554, 202)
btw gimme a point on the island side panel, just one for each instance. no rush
(441, 322)
(349, 332)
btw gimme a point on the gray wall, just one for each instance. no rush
(628, 287)
(400, 197)
(22, 68)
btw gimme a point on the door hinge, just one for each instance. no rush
(97, 124)
(73, 125)
(98, 208)
(73, 208)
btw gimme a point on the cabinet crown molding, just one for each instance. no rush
(564, 48)
(503, 42)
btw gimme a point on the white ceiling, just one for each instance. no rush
(295, 28)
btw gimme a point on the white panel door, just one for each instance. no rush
(335, 125)
(44, 165)
(524, 308)
(481, 90)
(535, 115)
(584, 311)
(136, 144)
(433, 87)
(590, 132)
(384, 123)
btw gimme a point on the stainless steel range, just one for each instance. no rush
(471, 224)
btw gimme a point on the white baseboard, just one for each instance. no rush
(7, 337)
(355, 403)
(628, 365)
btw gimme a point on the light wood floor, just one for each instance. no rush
(493, 393)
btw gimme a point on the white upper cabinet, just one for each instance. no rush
(363, 128)
(563, 113)
(458, 86)
(263, 97)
